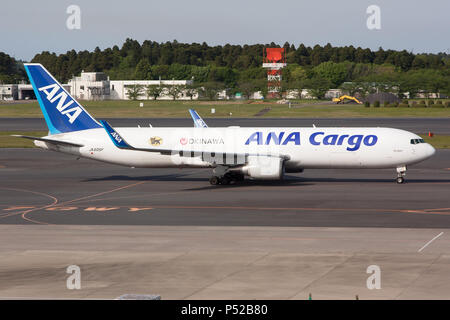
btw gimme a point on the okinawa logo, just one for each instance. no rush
(185, 141)
(51, 92)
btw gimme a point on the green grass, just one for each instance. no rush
(356, 111)
(438, 141)
(179, 109)
(6, 141)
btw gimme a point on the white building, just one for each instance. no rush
(119, 88)
(306, 94)
(9, 92)
(90, 86)
(333, 93)
(21, 91)
(97, 86)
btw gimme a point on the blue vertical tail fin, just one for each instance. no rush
(61, 111)
(198, 121)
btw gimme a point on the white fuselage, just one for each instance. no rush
(304, 147)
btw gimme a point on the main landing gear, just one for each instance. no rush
(401, 172)
(227, 178)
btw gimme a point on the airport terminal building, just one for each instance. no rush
(98, 86)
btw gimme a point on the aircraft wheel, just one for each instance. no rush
(400, 180)
(214, 180)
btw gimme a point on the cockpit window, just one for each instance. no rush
(416, 141)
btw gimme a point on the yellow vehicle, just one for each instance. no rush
(342, 99)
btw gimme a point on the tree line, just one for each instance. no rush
(238, 68)
(11, 71)
(153, 59)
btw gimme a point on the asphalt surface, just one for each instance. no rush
(416, 125)
(168, 232)
(43, 187)
(191, 262)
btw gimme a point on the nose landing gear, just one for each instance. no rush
(400, 180)
(401, 172)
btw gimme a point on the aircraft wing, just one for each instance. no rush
(198, 121)
(54, 141)
(120, 143)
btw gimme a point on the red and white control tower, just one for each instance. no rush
(274, 59)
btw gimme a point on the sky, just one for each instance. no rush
(30, 27)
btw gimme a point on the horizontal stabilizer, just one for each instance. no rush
(57, 142)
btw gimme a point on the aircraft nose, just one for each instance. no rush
(430, 150)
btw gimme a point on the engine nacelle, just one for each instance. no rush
(264, 168)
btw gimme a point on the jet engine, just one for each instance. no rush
(264, 168)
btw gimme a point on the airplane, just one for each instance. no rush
(232, 152)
